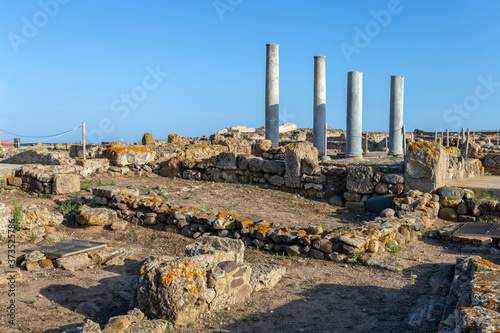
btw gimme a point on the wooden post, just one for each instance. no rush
(366, 141)
(386, 141)
(467, 144)
(447, 137)
(326, 140)
(463, 134)
(458, 140)
(435, 135)
(404, 139)
(83, 141)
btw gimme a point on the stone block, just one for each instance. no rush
(40, 217)
(97, 217)
(426, 166)
(122, 156)
(65, 183)
(73, 262)
(360, 179)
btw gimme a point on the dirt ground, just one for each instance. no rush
(395, 292)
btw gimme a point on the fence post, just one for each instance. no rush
(366, 141)
(458, 140)
(403, 129)
(326, 139)
(447, 137)
(467, 144)
(435, 135)
(84, 143)
(386, 141)
(498, 139)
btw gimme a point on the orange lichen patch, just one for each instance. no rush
(262, 228)
(370, 231)
(466, 308)
(246, 224)
(122, 150)
(234, 216)
(301, 233)
(386, 238)
(431, 147)
(492, 301)
(128, 200)
(469, 326)
(485, 262)
(223, 214)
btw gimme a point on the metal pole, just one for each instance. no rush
(83, 141)
(463, 134)
(474, 137)
(319, 104)
(386, 140)
(272, 94)
(447, 138)
(435, 135)
(403, 129)
(498, 139)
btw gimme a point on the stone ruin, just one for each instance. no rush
(400, 192)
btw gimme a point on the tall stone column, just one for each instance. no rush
(272, 93)
(354, 114)
(396, 116)
(319, 104)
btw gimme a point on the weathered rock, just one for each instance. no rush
(317, 187)
(393, 178)
(149, 326)
(462, 209)
(119, 225)
(111, 192)
(352, 196)
(40, 217)
(122, 156)
(381, 188)
(354, 205)
(5, 219)
(450, 196)
(97, 216)
(323, 245)
(231, 249)
(73, 262)
(293, 250)
(388, 212)
(360, 179)
(299, 158)
(276, 180)
(336, 200)
(426, 166)
(449, 214)
(65, 183)
(466, 218)
(147, 139)
(492, 163)
(87, 309)
(265, 276)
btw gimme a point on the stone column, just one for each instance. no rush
(272, 93)
(319, 104)
(396, 116)
(354, 114)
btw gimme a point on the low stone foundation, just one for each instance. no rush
(473, 299)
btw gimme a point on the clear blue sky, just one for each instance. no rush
(84, 56)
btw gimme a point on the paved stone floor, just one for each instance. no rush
(479, 184)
